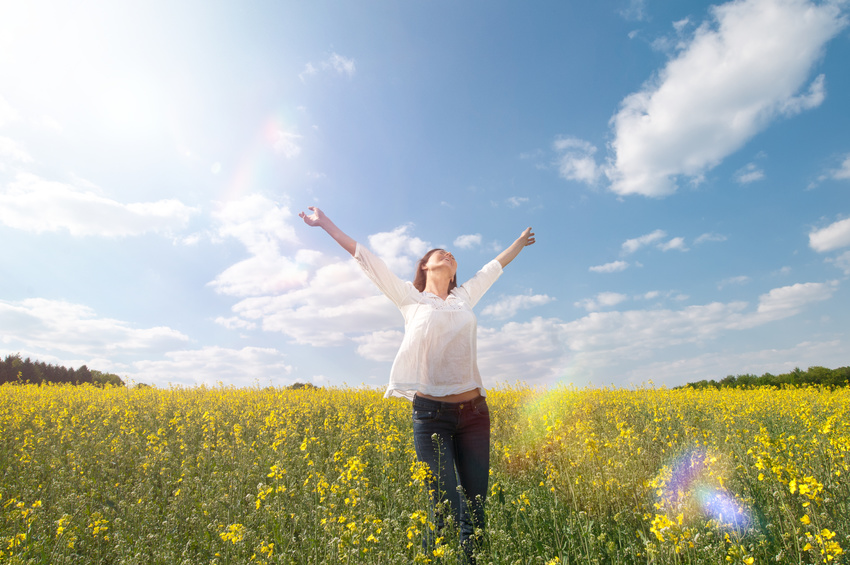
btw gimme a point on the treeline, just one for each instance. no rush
(797, 377)
(13, 369)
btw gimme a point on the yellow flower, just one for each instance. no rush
(234, 533)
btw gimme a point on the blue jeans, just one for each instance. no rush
(454, 440)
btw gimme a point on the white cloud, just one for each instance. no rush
(681, 25)
(600, 337)
(33, 204)
(668, 294)
(710, 237)
(635, 333)
(576, 161)
(399, 250)
(840, 173)
(380, 345)
(601, 300)
(55, 325)
(718, 364)
(342, 65)
(286, 143)
(677, 243)
(634, 10)
(604, 343)
(833, 236)
(516, 201)
(335, 62)
(748, 174)
(739, 280)
(842, 262)
(584, 351)
(676, 42)
(613, 267)
(532, 352)
(336, 303)
(244, 367)
(7, 113)
(257, 222)
(811, 99)
(632, 245)
(262, 274)
(508, 306)
(309, 70)
(261, 226)
(321, 301)
(468, 241)
(235, 323)
(843, 171)
(740, 72)
(789, 300)
(49, 123)
(12, 150)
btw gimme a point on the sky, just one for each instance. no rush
(685, 167)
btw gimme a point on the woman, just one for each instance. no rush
(436, 368)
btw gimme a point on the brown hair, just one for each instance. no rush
(420, 278)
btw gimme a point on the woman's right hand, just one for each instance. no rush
(317, 218)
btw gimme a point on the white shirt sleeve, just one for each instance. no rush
(393, 287)
(475, 287)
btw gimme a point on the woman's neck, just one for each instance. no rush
(438, 285)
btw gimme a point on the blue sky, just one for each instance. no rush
(685, 166)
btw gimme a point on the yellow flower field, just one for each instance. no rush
(226, 475)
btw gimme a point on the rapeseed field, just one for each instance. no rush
(235, 476)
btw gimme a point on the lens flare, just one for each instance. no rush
(694, 485)
(266, 163)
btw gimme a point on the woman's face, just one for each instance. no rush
(441, 259)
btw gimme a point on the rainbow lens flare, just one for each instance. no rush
(695, 485)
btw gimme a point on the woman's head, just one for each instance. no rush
(433, 259)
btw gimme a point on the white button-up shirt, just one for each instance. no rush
(438, 353)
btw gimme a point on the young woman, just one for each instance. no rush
(436, 368)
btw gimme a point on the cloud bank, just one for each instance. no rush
(747, 67)
(33, 204)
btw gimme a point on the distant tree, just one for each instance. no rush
(103, 379)
(31, 372)
(8, 373)
(728, 380)
(14, 369)
(83, 375)
(813, 376)
(747, 380)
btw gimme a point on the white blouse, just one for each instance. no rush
(438, 353)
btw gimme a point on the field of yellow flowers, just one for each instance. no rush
(225, 475)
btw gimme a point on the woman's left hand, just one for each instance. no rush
(509, 254)
(527, 237)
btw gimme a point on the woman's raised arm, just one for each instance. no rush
(318, 218)
(509, 254)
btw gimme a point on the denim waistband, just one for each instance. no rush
(436, 405)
